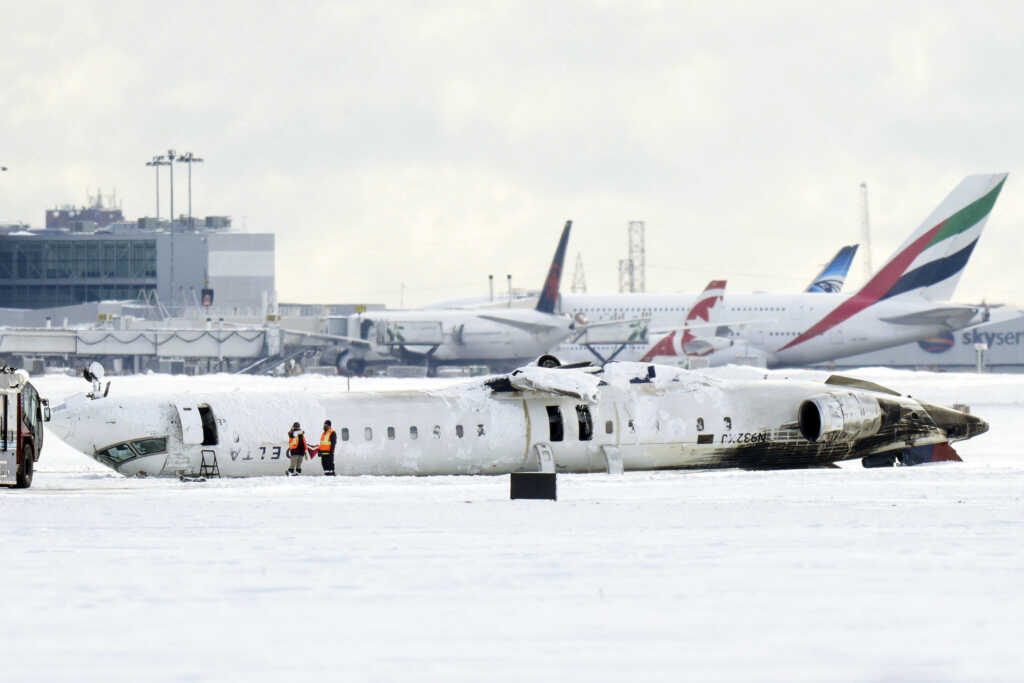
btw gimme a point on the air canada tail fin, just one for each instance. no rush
(832, 276)
(932, 259)
(549, 295)
(688, 343)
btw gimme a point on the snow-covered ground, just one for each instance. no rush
(817, 575)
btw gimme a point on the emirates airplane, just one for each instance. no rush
(906, 300)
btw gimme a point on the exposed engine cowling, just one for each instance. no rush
(840, 416)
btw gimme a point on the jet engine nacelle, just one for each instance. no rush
(840, 416)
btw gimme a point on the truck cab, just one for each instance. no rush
(22, 414)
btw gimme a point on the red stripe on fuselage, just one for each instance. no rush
(870, 293)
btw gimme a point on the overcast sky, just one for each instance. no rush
(433, 143)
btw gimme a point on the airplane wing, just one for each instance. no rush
(534, 328)
(580, 385)
(1001, 314)
(340, 340)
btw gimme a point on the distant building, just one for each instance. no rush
(67, 266)
(85, 218)
(1003, 351)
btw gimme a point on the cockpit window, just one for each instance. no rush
(150, 446)
(123, 452)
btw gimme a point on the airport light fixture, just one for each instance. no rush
(170, 162)
(156, 163)
(189, 158)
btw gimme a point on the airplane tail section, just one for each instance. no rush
(932, 259)
(549, 295)
(833, 276)
(689, 344)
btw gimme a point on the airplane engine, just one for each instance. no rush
(836, 416)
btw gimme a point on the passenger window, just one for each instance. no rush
(556, 431)
(700, 424)
(414, 433)
(479, 430)
(344, 433)
(458, 431)
(437, 431)
(391, 433)
(586, 423)
(632, 427)
(368, 433)
(728, 423)
(608, 427)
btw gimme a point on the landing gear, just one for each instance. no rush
(26, 469)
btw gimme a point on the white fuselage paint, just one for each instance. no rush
(681, 419)
(467, 337)
(784, 316)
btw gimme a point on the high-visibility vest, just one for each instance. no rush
(325, 441)
(293, 443)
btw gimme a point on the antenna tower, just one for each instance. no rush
(636, 263)
(865, 227)
(625, 270)
(579, 280)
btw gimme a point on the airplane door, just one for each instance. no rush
(191, 425)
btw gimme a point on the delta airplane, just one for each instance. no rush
(905, 301)
(626, 416)
(498, 337)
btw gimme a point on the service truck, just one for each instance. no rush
(22, 413)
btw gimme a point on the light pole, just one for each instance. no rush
(170, 162)
(156, 163)
(189, 158)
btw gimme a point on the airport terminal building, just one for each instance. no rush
(73, 264)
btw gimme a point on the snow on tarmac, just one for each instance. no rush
(813, 575)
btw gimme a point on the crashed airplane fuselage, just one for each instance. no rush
(631, 416)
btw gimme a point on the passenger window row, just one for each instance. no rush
(414, 432)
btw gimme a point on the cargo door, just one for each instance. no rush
(191, 425)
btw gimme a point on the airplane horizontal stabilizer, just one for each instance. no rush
(954, 317)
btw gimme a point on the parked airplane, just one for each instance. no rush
(904, 301)
(626, 416)
(699, 336)
(499, 337)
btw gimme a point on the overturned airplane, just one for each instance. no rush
(626, 416)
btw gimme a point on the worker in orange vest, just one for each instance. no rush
(296, 450)
(328, 441)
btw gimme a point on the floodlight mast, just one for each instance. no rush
(170, 162)
(189, 158)
(156, 163)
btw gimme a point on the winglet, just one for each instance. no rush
(832, 276)
(549, 295)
